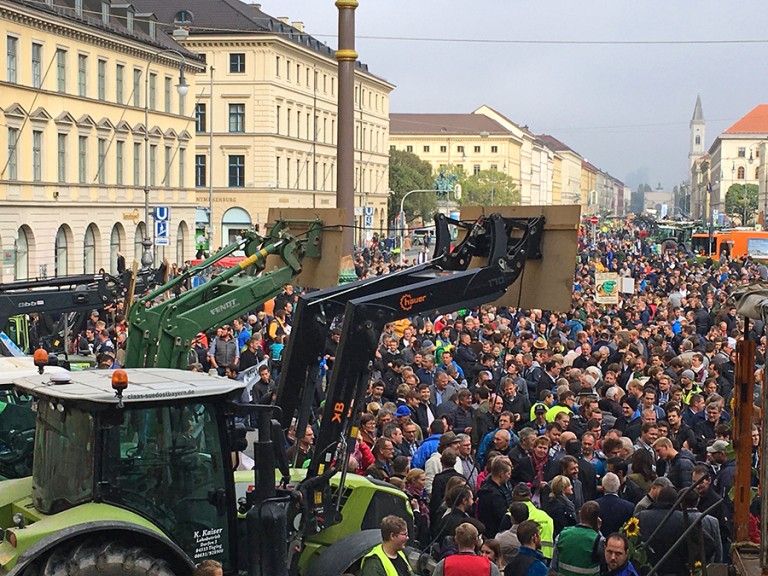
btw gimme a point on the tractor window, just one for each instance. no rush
(166, 464)
(63, 459)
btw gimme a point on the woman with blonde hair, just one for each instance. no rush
(560, 507)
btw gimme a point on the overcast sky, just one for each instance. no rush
(624, 107)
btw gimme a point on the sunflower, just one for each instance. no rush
(632, 527)
(697, 564)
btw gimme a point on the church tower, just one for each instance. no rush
(697, 127)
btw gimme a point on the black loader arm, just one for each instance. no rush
(59, 294)
(316, 311)
(506, 242)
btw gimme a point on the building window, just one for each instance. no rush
(37, 58)
(61, 253)
(61, 70)
(21, 250)
(152, 90)
(460, 149)
(119, 80)
(409, 148)
(237, 171)
(102, 79)
(288, 70)
(136, 163)
(443, 149)
(277, 66)
(119, 161)
(13, 154)
(182, 166)
(742, 152)
(89, 251)
(62, 157)
(740, 173)
(167, 98)
(277, 119)
(277, 172)
(82, 159)
(477, 149)
(200, 117)
(82, 74)
(288, 118)
(460, 167)
(426, 148)
(200, 170)
(167, 169)
(237, 63)
(494, 167)
(698, 139)
(136, 87)
(494, 149)
(79, 8)
(152, 164)
(37, 155)
(237, 117)
(476, 169)
(12, 45)
(102, 152)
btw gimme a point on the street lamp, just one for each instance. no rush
(148, 257)
(403, 226)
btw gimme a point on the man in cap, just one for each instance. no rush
(522, 493)
(629, 423)
(718, 453)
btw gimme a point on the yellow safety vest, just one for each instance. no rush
(389, 568)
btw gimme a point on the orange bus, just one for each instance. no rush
(737, 242)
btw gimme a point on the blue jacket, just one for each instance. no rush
(538, 568)
(626, 570)
(427, 448)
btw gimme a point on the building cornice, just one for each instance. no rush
(52, 24)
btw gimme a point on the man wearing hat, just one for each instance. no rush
(522, 493)
(629, 423)
(718, 453)
(688, 385)
(434, 466)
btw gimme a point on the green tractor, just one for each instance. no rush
(133, 474)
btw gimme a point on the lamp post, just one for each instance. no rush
(148, 257)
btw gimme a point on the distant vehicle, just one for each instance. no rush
(734, 242)
(418, 234)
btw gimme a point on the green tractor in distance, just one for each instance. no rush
(133, 474)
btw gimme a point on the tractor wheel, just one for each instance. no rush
(100, 559)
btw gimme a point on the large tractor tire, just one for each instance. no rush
(92, 558)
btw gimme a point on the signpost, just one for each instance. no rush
(594, 220)
(162, 225)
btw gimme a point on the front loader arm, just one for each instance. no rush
(160, 334)
(366, 316)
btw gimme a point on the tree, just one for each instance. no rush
(489, 188)
(741, 199)
(409, 172)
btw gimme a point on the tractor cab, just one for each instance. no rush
(152, 442)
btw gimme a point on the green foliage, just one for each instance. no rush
(409, 172)
(489, 188)
(740, 196)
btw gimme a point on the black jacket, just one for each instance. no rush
(563, 513)
(680, 469)
(492, 503)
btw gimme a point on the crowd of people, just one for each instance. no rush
(543, 441)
